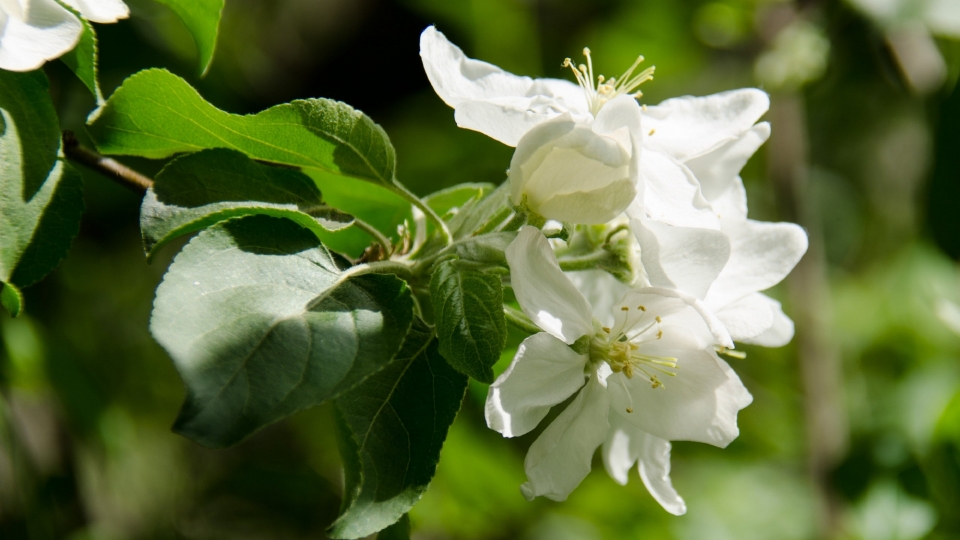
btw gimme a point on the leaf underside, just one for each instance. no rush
(202, 19)
(198, 190)
(260, 325)
(41, 198)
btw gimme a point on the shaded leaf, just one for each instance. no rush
(40, 194)
(202, 19)
(393, 427)
(156, 114)
(468, 310)
(260, 323)
(198, 190)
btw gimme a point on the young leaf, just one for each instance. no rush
(453, 198)
(82, 59)
(202, 19)
(198, 190)
(468, 310)
(481, 215)
(398, 531)
(260, 323)
(156, 114)
(393, 426)
(40, 195)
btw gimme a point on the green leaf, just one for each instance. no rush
(453, 198)
(40, 195)
(398, 531)
(156, 114)
(261, 322)
(377, 206)
(11, 299)
(83, 60)
(198, 190)
(486, 249)
(202, 19)
(468, 310)
(482, 215)
(394, 425)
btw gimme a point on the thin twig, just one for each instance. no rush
(110, 168)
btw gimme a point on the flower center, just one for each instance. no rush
(623, 350)
(607, 89)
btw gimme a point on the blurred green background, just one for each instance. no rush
(855, 428)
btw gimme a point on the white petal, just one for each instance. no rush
(545, 294)
(100, 11)
(688, 127)
(718, 169)
(701, 328)
(626, 445)
(684, 258)
(591, 207)
(731, 205)
(602, 291)
(490, 100)
(37, 31)
(504, 119)
(761, 255)
(560, 458)
(747, 317)
(780, 332)
(566, 171)
(544, 372)
(699, 404)
(670, 193)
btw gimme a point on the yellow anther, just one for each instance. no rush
(629, 410)
(655, 382)
(642, 308)
(624, 308)
(652, 131)
(606, 329)
(658, 318)
(659, 334)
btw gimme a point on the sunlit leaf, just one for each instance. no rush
(393, 426)
(260, 323)
(156, 114)
(198, 190)
(82, 59)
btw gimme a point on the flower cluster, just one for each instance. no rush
(638, 356)
(34, 31)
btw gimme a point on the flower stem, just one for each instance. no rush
(377, 236)
(401, 190)
(587, 262)
(520, 320)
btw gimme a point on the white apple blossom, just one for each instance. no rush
(34, 31)
(579, 172)
(645, 373)
(726, 268)
(100, 11)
